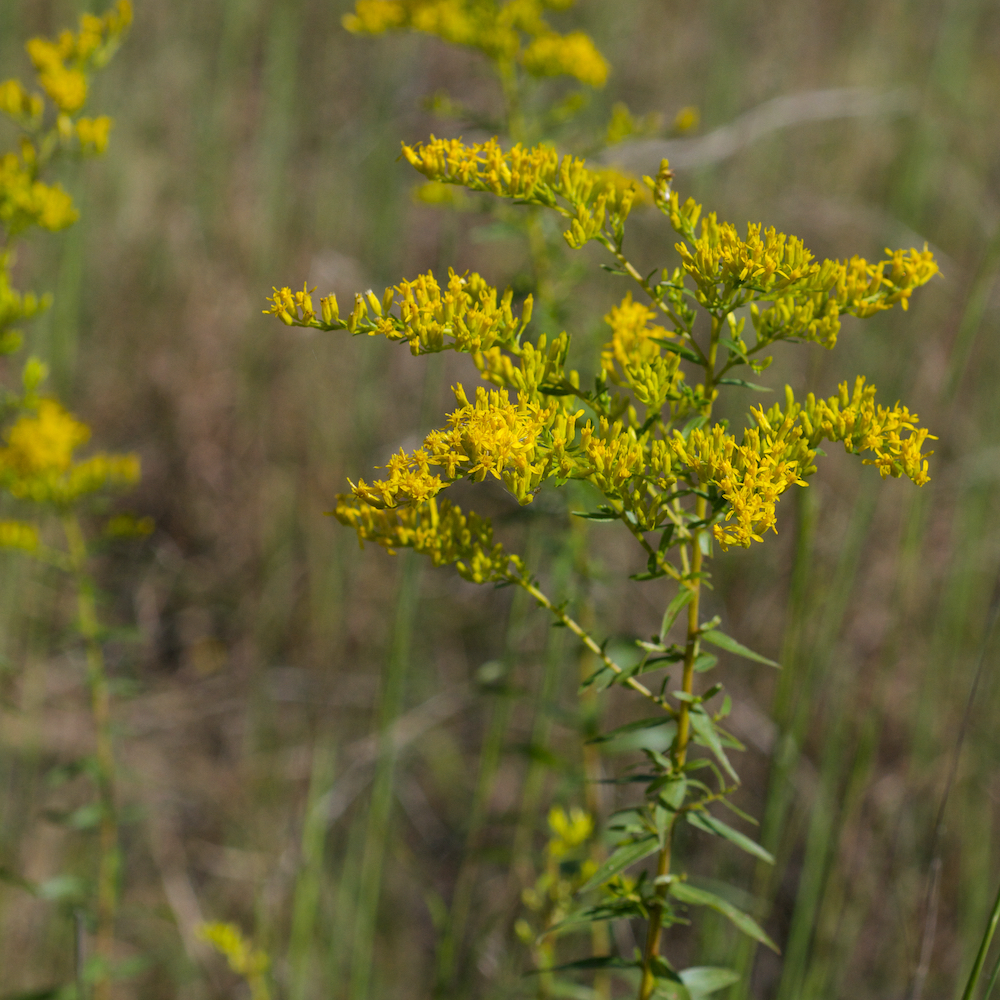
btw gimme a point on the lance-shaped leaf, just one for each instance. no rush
(705, 821)
(630, 727)
(683, 597)
(700, 897)
(744, 384)
(705, 729)
(622, 858)
(704, 979)
(730, 645)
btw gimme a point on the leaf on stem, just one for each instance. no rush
(705, 729)
(630, 727)
(702, 980)
(707, 822)
(743, 921)
(730, 645)
(744, 384)
(601, 514)
(683, 597)
(681, 349)
(621, 859)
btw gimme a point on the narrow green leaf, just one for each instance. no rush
(630, 727)
(705, 728)
(733, 347)
(704, 979)
(700, 897)
(621, 859)
(682, 598)
(598, 962)
(668, 989)
(601, 514)
(707, 822)
(705, 661)
(744, 384)
(676, 348)
(730, 645)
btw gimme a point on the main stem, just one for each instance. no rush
(691, 646)
(100, 708)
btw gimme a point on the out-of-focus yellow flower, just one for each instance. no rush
(245, 960)
(37, 463)
(687, 119)
(574, 54)
(26, 109)
(25, 201)
(18, 535)
(44, 443)
(93, 134)
(498, 30)
(569, 830)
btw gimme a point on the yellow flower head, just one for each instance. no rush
(45, 442)
(245, 960)
(37, 463)
(495, 29)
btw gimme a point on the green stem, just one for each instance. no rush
(691, 647)
(984, 947)
(100, 708)
(589, 642)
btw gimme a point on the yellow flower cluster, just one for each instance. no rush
(438, 530)
(633, 338)
(26, 201)
(245, 960)
(808, 297)
(495, 29)
(552, 896)
(751, 476)
(62, 64)
(37, 463)
(464, 316)
(568, 830)
(863, 426)
(14, 308)
(591, 200)
(521, 444)
(15, 102)
(780, 450)
(18, 535)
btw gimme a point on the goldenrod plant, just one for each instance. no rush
(640, 430)
(51, 486)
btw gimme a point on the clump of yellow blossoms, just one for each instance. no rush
(638, 429)
(245, 960)
(540, 425)
(514, 32)
(51, 123)
(40, 469)
(37, 458)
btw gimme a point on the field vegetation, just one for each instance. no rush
(353, 758)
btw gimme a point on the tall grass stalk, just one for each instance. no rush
(378, 826)
(980, 960)
(302, 958)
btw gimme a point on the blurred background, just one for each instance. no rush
(256, 144)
